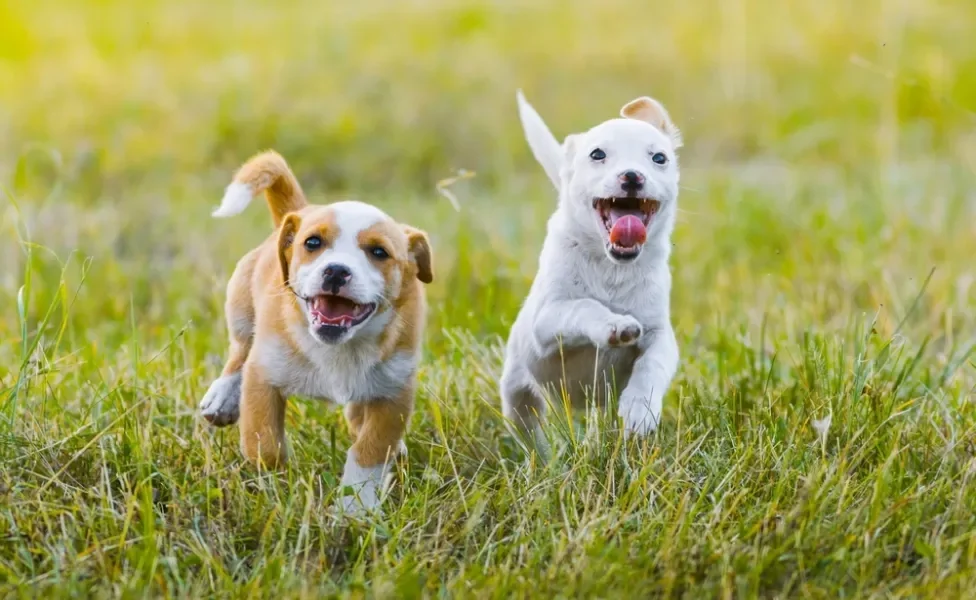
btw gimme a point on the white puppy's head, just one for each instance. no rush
(617, 182)
(348, 263)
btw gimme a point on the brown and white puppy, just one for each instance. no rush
(331, 307)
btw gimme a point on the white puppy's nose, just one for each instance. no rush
(631, 181)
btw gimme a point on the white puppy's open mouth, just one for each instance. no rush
(625, 221)
(333, 315)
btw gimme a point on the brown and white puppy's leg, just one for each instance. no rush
(379, 427)
(262, 420)
(221, 404)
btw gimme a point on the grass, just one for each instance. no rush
(818, 441)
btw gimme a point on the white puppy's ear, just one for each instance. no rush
(569, 146)
(651, 111)
(544, 146)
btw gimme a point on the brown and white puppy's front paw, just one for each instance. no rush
(364, 485)
(622, 330)
(363, 497)
(221, 405)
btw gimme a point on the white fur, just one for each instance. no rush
(236, 198)
(221, 404)
(581, 297)
(366, 483)
(350, 372)
(543, 144)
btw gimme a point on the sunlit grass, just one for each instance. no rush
(823, 269)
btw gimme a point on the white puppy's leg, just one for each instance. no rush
(641, 401)
(572, 323)
(524, 406)
(221, 405)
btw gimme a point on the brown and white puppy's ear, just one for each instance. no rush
(419, 247)
(651, 111)
(286, 242)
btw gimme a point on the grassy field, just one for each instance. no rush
(818, 441)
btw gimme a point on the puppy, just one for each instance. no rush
(331, 307)
(597, 317)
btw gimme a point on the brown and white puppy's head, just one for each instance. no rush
(617, 182)
(348, 263)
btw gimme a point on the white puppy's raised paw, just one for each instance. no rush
(641, 414)
(221, 405)
(623, 330)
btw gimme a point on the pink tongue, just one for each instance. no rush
(628, 231)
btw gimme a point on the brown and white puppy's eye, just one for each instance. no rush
(313, 243)
(378, 252)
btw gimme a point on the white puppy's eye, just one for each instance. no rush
(313, 243)
(659, 158)
(598, 154)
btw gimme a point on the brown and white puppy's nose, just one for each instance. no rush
(335, 276)
(631, 181)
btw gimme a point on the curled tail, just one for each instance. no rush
(269, 173)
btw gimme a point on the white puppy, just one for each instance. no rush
(597, 318)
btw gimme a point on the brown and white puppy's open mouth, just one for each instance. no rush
(333, 315)
(625, 221)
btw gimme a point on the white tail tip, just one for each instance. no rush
(236, 198)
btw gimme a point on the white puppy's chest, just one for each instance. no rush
(641, 290)
(566, 273)
(341, 374)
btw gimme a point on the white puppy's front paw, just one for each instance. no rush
(221, 405)
(622, 330)
(641, 414)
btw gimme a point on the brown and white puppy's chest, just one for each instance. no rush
(344, 377)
